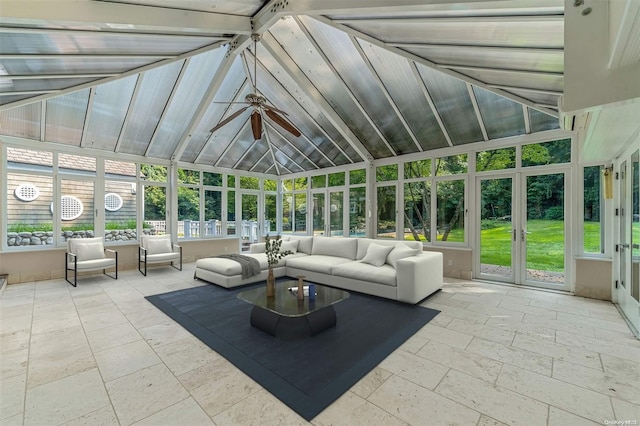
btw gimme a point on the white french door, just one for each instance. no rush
(628, 247)
(521, 230)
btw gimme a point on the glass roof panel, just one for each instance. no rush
(22, 85)
(501, 116)
(185, 101)
(406, 91)
(72, 65)
(253, 155)
(263, 165)
(22, 122)
(111, 102)
(302, 51)
(493, 57)
(287, 143)
(538, 98)
(65, 116)
(12, 98)
(453, 103)
(240, 146)
(220, 139)
(77, 43)
(281, 99)
(305, 112)
(228, 91)
(286, 154)
(243, 7)
(544, 32)
(344, 56)
(541, 121)
(154, 91)
(518, 79)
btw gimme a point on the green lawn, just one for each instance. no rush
(545, 249)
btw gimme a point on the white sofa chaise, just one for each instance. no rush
(397, 270)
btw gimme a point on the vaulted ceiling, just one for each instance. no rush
(361, 79)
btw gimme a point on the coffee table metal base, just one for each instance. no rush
(309, 324)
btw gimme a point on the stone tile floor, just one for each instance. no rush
(100, 354)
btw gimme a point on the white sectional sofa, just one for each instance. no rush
(397, 270)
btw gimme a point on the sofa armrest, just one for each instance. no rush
(419, 276)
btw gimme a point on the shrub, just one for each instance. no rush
(25, 227)
(554, 213)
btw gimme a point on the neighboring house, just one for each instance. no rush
(30, 197)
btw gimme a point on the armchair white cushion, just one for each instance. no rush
(88, 254)
(158, 249)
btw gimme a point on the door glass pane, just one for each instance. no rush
(76, 209)
(386, 212)
(270, 213)
(335, 214)
(496, 234)
(544, 233)
(593, 231)
(188, 212)
(357, 208)
(623, 225)
(287, 213)
(231, 210)
(119, 211)
(635, 234)
(539, 154)
(450, 208)
(212, 213)
(249, 232)
(155, 207)
(318, 214)
(300, 206)
(417, 217)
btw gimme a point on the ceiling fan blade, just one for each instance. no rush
(256, 125)
(282, 122)
(229, 103)
(272, 108)
(228, 119)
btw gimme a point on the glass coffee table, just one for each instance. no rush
(285, 315)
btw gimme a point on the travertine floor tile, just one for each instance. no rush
(415, 404)
(414, 368)
(528, 360)
(113, 336)
(372, 381)
(488, 332)
(145, 392)
(185, 355)
(494, 401)
(574, 399)
(444, 335)
(558, 417)
(462, 360)
(65, 399)
(351, 409)
(12, 391)
(104, 416)
(259, 408)
(125, 359)
(185, 412)
(558, 351)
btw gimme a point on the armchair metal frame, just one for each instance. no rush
(72, 257)
(142, 254)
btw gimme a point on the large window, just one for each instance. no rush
(593, 230)
(155, 198)
(417, 211)
(450, 211)
(386, 201)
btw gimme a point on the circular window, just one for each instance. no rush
(27, 192)
(112, 202)
(71, 207)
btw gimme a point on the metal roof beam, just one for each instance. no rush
(526, 89)
(293, 146)
(476, 108)
(475, 47)
(427, 63)
(55, 76)
(527, 121)
(107, 15)
(244, 127)
(107, 33)
(501, 70)
(290, 66)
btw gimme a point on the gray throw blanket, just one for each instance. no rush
(250, 266)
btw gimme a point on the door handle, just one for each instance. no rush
(523, 234)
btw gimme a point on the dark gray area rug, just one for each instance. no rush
(308, 373)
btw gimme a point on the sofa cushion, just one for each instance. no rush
(400, 251)
(304, 243)
(230, 267)
(257, 247)
(340, 247)
(158, 245)
(316, 263)
(376, 254)
(291, 246)
(89, 251)
(357, 270)
(363, 244)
